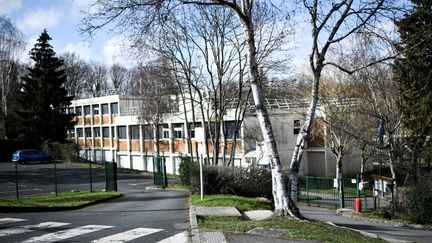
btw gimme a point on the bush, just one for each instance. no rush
(61, 151)
(186, 168)
(246, 182)
(417, 201)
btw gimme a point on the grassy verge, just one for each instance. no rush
(179, 186)
(241, 203)
(68, 199)
(295, 229)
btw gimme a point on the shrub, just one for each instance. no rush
(61, 151)
(186, 168)
(247, 182)
(417, 201)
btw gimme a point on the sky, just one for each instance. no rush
(62, 18)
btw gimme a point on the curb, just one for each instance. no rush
(195, 234)
(11, 209)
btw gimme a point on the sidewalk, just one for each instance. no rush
(384, 231)
(388, 232)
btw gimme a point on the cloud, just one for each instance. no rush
(37, 20)
(9, 5)
(117, 50)
(82, 49)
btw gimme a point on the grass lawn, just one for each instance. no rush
(68, 199)
(241, 203)
(295, 229)
(179, 186)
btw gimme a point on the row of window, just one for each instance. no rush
(94, 109)
(148, 131)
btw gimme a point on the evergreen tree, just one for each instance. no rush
(43, 97)
(414, 69)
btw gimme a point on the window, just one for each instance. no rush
(80, 132)
(113, 132)
(192, 129)
(163, 131)
(71, 110)
(71, 133)
(148, 132)
(105, 132)
(296, 129)
(229, 129)
(114, 108)
(105, 109)
(96, 132)
(87, 110)
(134, 132)
(95, 109)
(178, 130)
(88, 132)
(79, 111)
(121, 132)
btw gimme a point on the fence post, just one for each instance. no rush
(16, 180)
(307, 190)
(55, 177)
(358, 186)
(91, 179)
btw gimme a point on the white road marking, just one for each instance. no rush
(127, 235)
(30, 228)
(178, 238)
(65, 234)
(10, 220)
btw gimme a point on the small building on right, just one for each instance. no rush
(287, 118)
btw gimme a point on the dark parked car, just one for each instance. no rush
(28, 155)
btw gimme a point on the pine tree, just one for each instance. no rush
(414, 69)
(43, 97)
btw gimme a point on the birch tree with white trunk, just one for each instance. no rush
(140, 18)
(333, 24)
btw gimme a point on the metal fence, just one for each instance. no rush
(36, 179)
(320, 191)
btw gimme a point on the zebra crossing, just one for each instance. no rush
(64, 232)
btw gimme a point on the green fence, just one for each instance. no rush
(159, 172)
(324, 192)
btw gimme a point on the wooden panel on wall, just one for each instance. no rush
(230, 144)
(97, 143)
(80, 120)
(135, 145)
(148, 146)
(88, 142)
(113, 118)
(122, 145)
(106, 142)
(87, 120)
(105, 119)
(164, 146)
(81, 142)
(96, 119)
(180, 146)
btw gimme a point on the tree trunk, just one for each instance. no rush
(301, 138)
(283, 205)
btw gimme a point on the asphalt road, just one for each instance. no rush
(140, 216)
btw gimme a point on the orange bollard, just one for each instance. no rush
(357, 205)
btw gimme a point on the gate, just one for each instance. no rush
(159, 172)
(110, 176)
(323, 191)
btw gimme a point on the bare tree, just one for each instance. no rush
(97, 79)
(333, 24)
(12, 45)
(120, 77)
(77, 71)
(145, 17)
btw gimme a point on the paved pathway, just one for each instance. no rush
(385, 231)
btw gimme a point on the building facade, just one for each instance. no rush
(111, 128)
